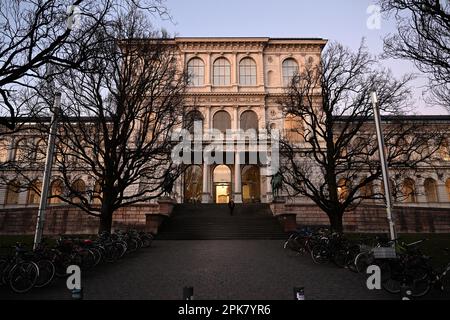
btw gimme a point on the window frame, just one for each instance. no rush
(221, 73)
(198, 79)
(247, 72)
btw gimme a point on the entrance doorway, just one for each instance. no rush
(222, 184)
(193, 184)
(251, 186)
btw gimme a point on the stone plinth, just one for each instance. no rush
(278, 206)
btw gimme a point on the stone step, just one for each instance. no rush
(213, 221)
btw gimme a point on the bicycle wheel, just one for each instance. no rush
(23, 276)
(445, 281)
(146, 241)
(46, 273)
(419, 282)
(391, 277)
(362, 261)
(292, 246)
(132, 245)
(61, 262)
(97, 255)
(87, 259)
(340, 258)
(320, 254)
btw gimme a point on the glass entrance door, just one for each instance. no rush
(223, 193)
(222, 184)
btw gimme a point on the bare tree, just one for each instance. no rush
(39, 38)
(423, 37)
(117, 120)
(331, 157)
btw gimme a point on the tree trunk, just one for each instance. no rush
(336, 222)
(105, 219)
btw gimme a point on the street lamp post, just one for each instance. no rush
(47, 172)
(384, 165)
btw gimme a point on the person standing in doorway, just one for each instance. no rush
(231, 206)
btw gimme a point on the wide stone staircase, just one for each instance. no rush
(214, 222)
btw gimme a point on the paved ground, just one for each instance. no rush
(229, 269)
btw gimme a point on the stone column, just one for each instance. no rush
(237, 178)
(235, 122)
(420, 191)
(205, 194)
(442, 192)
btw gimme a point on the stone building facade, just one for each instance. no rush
(235, 84)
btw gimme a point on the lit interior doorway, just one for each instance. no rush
(222, 184)
(251, 186)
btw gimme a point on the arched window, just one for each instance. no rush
(34, 192)
(343, 189)
(22, 150)
(41, 150)
(447, 185)
(196, 72)
(293, 128)
(431, 190)
(444, 150)
(97, 194)
(78, 189)
(12, 193)
(247, 72)
(409, 190)
(221, 72)
(222, 121)
(290, 69)
(191, 118)
(4, 148)
(249, 120)
(56, 189)
(366, 190)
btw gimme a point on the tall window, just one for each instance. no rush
(97, 194)
(79, 188)
(431, 190)
(447, 186)
(222, 121)
(409, 190)
(191, 119)
(249, 120)
(221, 72)
(444, 150)
(196, 72)
(290, 69)
(22, 150)
(247, 72)
(41, 150)
(293, 128)
(56, 189)
(12, 193)
(33, 192)
(3, 150)
(343, 189)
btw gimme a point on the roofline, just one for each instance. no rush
(266, 40)
(392, 118)
(386, 118)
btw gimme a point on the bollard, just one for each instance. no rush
(299, 293)
(77, 294)
(405, 292)
(188, 293)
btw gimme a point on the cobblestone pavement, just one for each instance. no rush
(229, 269)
